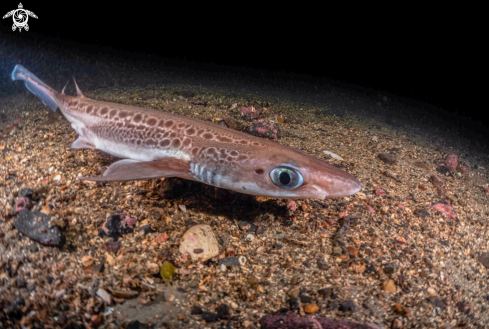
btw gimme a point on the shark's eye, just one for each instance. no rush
(286, 177)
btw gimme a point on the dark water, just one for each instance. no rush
(55, 62)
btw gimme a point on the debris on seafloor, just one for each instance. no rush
(24, 200)
(334, 156)
(291, 320)
(36, 226)
(445, 208)
(388, 158)
(249, 113)
(117, 225)
(264, 129)
(233, 261)
(451, 161)
(167, 270)
(200, 243)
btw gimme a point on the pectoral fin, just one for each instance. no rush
(82, 143)
(126, 170)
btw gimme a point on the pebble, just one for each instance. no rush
(337, 251)
(247, 226)
(401, 310)
(311, 308)
(293, 293)
(22, 203)
(431, 291)
(347, 306)
(291, 205)
(104, 295)
(115, 226)
(451, 161)
(199, 238)
(397, 324)
(387, 158)
(325, 293)
(250, 237)
(389, 286)
(422, 165)
(436, 301)
(233, 261)
(484, 259)
(249, 113)
(35, 225)
(264, 129)
(87, 260)
(322, 264)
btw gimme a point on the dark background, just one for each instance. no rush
(432, 56)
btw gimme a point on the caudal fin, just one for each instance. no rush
(45, 93)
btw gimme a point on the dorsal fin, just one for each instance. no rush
(63, 91)
(78, 91)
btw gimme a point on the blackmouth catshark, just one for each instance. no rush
(157, 144)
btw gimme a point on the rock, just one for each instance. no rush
(451, 161)
(117, 225)
(146, 229)
(397, 324)
(264, 129)
(436, 301)
(445, 209)
(325, 293)
(209, 316)
(463, 307)
(347, 306)
(249, 113)
(389, 286)
(322, 263)
(247, 226)
(431, 291)
(379, 192)
(87, 260)
(261, 230)
(484, 259)
(422, 165)
(306, 299)
(26, 193)
(422, 213)
(22, 203)
(104, 295)
(311, 308)
(35, 225)
(233, 124)
(233, 261)
(291, 205)
(436, 181)
(223, 311)
(337, 251)
(293, 293)
(387, 158)
(389, 269)
(401, 310)
(199, 238)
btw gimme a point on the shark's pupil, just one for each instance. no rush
(284, 177)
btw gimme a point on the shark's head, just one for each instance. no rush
(289, 173)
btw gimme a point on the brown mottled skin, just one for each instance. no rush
(161, 144)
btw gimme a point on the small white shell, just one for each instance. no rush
(334, 156)
(200, 242)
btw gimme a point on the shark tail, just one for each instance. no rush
(45, 93)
